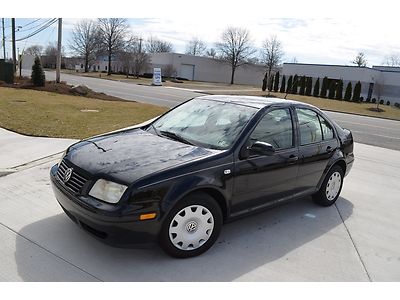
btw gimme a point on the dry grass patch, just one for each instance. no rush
(48, 114)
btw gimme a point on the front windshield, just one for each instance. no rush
(206, 123)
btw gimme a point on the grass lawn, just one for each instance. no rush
(48, 114)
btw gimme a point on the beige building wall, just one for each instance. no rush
(207, 69)
(385, 80)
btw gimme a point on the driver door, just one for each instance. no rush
(264, 180)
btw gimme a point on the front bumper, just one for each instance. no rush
(112, 226)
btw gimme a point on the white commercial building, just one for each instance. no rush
(207, 69)
(193, 68)
(380, 82)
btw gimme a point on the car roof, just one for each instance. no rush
(252, 101)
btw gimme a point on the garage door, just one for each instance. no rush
(187, 71)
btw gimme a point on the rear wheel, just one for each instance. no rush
(191, 227)
(330, 188)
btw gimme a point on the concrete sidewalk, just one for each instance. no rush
(17, 149)
(355, 240)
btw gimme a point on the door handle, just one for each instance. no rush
(329, 149)
(293, 158)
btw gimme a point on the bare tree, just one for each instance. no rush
(85, 39)
(141, 59)
(169, 71)
(196, 47)
(235, 48)
(125, 57)
(112, 34)
(50, 52)
(133, 57)
(155, 45)
(271, 54)
(211, 53)
(35, 50)
(392, 60)
(360, 60)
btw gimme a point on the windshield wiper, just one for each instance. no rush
(155, 129)
(177, 137)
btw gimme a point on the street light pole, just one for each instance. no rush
(58, 66)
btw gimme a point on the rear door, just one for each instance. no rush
(317, 144)
(263, 180)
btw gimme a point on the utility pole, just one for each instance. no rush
(14, 55)
(4, 40)
(58, 66)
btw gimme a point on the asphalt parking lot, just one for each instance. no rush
(355, 240)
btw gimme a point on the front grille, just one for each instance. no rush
(76, 181)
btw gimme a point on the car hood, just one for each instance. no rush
(130, 155)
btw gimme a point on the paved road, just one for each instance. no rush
(367, 130)
(355, 240)
(157, 95)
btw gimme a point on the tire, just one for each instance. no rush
(330, 188)
(191, 227)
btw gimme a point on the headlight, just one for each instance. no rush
(107, 191)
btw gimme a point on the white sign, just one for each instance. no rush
(157, 79)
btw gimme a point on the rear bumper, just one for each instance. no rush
(116, 230)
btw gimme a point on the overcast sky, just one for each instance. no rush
(306, 36)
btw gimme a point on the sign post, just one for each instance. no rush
(157, 79)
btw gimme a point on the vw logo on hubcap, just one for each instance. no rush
(67, 174)
(191, 226)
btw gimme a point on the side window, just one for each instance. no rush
(310, 128)
(275, 128)
(327, 131)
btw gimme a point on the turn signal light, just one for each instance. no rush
(147, 216)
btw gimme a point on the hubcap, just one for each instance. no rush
(333, 186)
(191, 227)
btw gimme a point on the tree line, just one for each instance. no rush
(303, 85)
(110, 37)
(113, 38)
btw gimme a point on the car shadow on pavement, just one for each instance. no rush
(243, 246)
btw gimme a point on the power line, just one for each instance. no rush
(30, 22)
(48, 24)
(33, 27)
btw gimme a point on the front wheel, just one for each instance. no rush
(330, 188)
(191, 227)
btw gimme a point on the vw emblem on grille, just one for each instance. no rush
(67, 174)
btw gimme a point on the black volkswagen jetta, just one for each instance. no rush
(205, 162)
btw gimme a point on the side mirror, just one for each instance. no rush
(261, 148)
